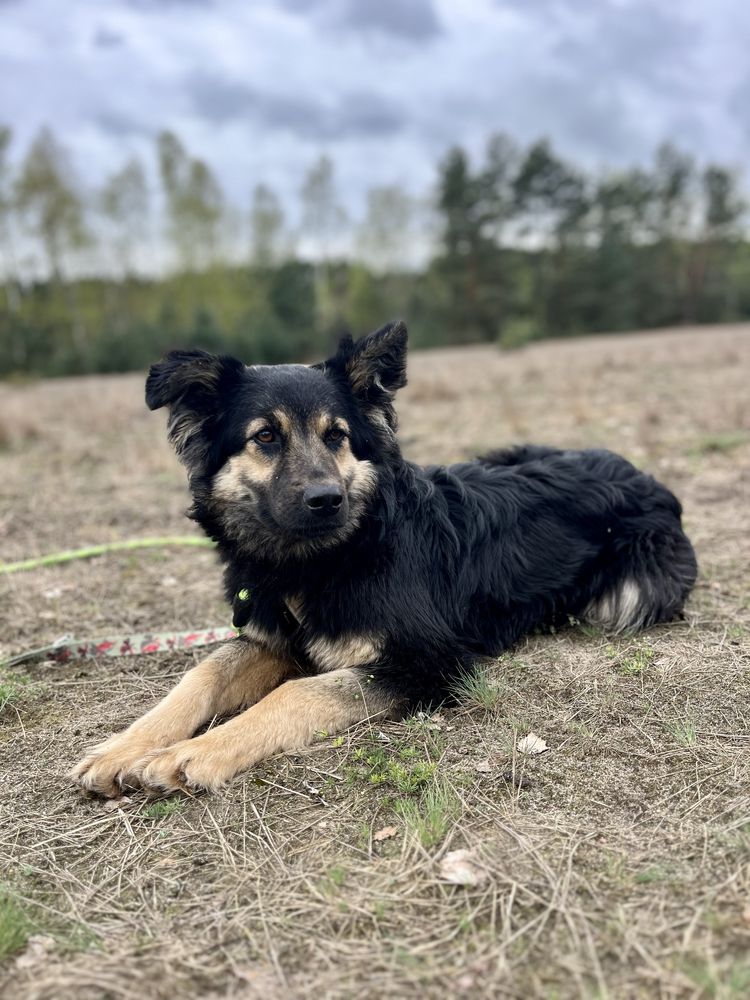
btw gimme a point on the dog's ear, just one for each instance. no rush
(375, 366)
(379, 360)
(195, 386)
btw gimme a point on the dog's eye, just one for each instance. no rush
(334, 435)
(266, 436)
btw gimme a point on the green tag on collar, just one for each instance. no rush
(241, 611)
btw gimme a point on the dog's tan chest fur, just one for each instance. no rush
(336, 654)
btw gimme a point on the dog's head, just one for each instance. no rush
(283, 460)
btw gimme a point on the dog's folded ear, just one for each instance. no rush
(375, 366)
(194, 373)
(195, 386)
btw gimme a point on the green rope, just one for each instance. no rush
(97, 550)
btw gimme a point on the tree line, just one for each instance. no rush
(513, 246)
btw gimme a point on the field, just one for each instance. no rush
(616, 864)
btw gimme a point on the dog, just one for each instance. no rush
(363, 586)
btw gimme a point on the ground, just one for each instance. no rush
(616, 864)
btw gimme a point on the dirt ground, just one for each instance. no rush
(616, 864)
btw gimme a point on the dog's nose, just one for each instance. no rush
(324, 499)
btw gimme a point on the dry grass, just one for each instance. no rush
(619, 860)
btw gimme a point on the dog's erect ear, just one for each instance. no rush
(195, 386)
(375, 366)
(379, 360)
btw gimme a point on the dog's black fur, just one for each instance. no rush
(434, 567)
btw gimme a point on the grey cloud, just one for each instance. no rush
(363, 113)
(153, 6)
(107, 39)
(413, 20)
(594, 119)
(739, 105)
(218, 100)
(549, 8)
(118, 124)
(633, 42)
(604, 39)
(583, 123)
(301, 6)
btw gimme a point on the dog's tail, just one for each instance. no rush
(654, 573)
(647, 567)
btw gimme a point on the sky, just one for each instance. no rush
(260, 88)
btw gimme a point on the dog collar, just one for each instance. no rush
(242, 611)
(241, 607)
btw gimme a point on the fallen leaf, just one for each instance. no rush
(532, 745)
(385, 834)
(112, 804)
(493, 763)
(37, 951)
(462, 868)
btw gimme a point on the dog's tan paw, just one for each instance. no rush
(190, 766)
(106, 769)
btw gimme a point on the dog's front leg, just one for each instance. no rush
(285, 719)
(238, 673)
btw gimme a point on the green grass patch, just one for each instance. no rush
(12, 688)
(637, 662)
(379, 767)
(656, 873)
(723, 983)
(15, 925)
(401, 765)
(480, 688)
(590, 631)
(684, 732)
(634, 660)
(30, 910)
(337, 875)
(163, 808)
(716, 444)
(430, 817)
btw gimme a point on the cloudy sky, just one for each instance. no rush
(261, 87)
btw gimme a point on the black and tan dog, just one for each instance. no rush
(365, 586)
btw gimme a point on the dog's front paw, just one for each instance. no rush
(107, 769)
(189, 766)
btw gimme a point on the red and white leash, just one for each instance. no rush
(66, 648)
